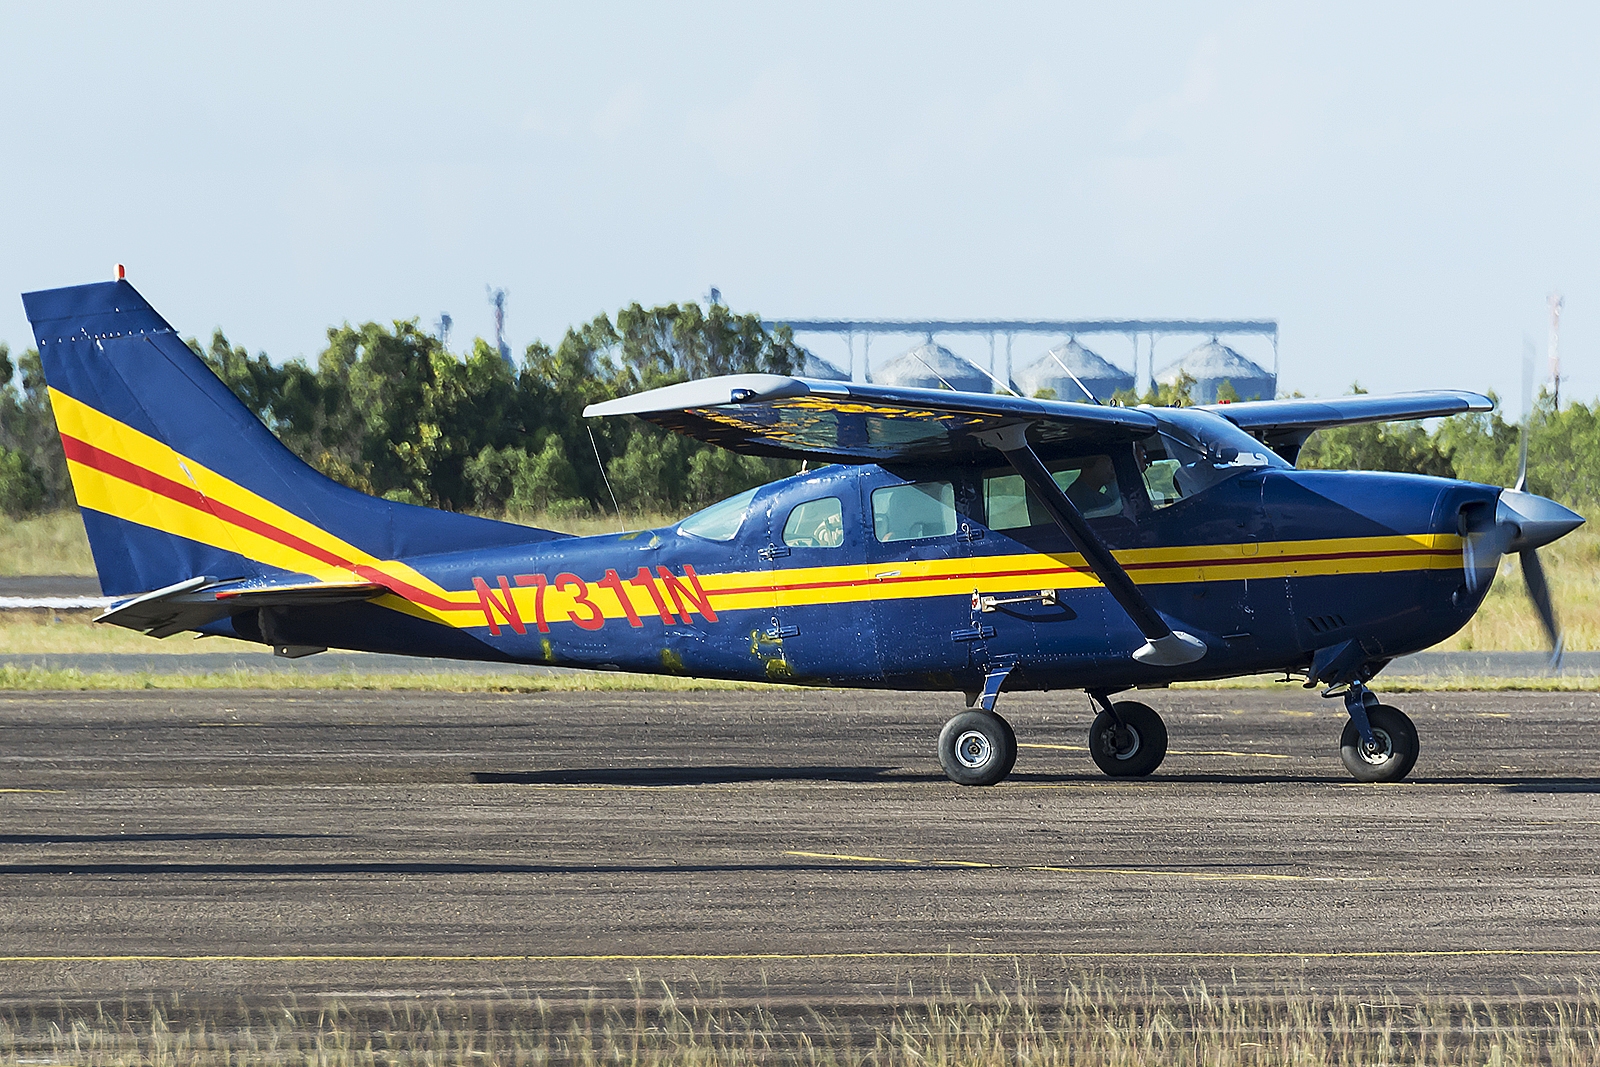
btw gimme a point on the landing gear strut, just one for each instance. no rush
(1379, 743)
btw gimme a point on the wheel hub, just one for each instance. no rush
(1120, 741)
(1381, 749)
(973, 749)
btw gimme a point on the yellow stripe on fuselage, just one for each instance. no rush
(309, 546)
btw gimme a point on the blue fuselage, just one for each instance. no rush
(1267, 567)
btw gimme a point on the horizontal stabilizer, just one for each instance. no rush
(197, 602)
(849, 422)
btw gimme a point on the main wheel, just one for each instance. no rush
(1394, 752)
(977, 748)
(1132, 748)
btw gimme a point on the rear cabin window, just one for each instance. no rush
(911, 512)
(1090, 482)
(815, 524)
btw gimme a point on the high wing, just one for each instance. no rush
(1284, 425)
(771, 415)
(846, 422)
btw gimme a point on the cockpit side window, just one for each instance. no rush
(1192, 452)
(1090, 482)
(815, 524)
(912, 512)
(721, 521)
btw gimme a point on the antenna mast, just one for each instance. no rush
(1555, 348)
(497, 297)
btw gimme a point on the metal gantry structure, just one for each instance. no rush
(1008, 329)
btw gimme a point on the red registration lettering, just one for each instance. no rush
(539, 583)
(595, 618)
(687, 598)
(613, 582)
(505, 604)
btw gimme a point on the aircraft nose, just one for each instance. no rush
(1536, 520)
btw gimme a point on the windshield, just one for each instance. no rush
(1194, 450)
(721, 521)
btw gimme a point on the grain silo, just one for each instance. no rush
(814, 366)
(1054, 370)
(1212, 364)
(932, 366)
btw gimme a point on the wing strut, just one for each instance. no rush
(1163, 646)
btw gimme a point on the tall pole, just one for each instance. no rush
(1555, 349)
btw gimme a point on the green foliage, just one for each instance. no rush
(33, 468)
(1563, 449)
(1178, 394)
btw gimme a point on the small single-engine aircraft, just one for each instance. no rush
(955, 542)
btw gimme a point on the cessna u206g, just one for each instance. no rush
(954, 542)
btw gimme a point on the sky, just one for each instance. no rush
(1400, 186)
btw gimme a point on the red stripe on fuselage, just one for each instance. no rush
(120, 468)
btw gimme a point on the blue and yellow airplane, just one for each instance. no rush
(954, 542)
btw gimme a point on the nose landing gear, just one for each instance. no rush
(1379, 743)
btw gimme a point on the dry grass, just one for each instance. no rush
(586, 524)
(43, 632)
(46, 544)
(1089, 1022)
(38, 679)
(1506, 622)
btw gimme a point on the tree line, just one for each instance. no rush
(390, 411)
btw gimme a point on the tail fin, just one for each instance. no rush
(176, 478)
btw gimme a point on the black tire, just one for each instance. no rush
(1397, 746)
(1011, 735)
(1135, 748)
(977, 748)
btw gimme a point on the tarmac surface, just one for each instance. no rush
(776, 844)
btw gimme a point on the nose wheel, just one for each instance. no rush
(1390, 751)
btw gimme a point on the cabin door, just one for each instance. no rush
(822, 626)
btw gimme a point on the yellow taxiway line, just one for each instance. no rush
(1199, 876)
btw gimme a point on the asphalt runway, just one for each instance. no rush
(776, 844)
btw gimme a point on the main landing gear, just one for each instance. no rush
(978, 747)
(1379, 743)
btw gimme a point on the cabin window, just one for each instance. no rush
(815, 524)
(1090, 482)
(910, 512)
(721, 521)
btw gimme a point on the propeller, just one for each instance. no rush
(1521, 522)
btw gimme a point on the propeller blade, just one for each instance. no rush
(1480, 556)
(1527, 416)
(1539, 593)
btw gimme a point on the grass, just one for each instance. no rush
(46, 544)
(39, 679)
(1506, 622)
(1091, 1021)
(42, 632)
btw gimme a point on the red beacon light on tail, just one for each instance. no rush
(120, 273)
